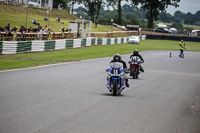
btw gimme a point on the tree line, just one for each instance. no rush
(149, 11)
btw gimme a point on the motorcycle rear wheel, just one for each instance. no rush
(134, 73)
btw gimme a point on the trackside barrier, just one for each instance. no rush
(9, 47)
(1, 46)
(60, 44)
(88, 41)
(13, 47)
(77, 43)
(174, 38)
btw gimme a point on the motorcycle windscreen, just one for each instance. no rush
(116, 65)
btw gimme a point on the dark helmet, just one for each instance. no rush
(117, 57)
(135, 52)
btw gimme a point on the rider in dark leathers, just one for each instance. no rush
(136, 53)
(117, 58)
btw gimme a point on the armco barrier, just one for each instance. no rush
(13, 47)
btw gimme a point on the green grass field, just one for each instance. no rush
(41, 58)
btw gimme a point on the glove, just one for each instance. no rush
(126, 71)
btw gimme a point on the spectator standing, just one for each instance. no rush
(8, 27)
(40, 33)
(22, 30)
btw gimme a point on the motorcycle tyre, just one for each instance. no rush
(115, 87)
(134, 74)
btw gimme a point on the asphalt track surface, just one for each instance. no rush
(73, 98)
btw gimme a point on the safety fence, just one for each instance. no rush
(13, 47)
(18, 36)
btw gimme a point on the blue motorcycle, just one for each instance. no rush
(116, 78)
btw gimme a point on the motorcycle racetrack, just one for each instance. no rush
(73, 98)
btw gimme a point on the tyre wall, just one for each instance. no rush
(13, 47)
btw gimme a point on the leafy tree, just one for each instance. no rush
(177, 25)
(179, 14)
(64, 3)
(165, 17)
(72, 4)
(116, 4)
(189, 21)
(153, 7)
(198, 13)
(81, 11)
(93, 7)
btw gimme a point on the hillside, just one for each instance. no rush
(16, 16)
(36, 11)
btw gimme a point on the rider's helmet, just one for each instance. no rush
(117, 58)
(135, 52)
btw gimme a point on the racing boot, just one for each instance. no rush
(127, 84)
(141, 69)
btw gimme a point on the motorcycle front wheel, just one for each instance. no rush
(115, 87)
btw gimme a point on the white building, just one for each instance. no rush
(40, 3)
(34, 3)
(195, 33)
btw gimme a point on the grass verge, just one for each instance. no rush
(15, 61)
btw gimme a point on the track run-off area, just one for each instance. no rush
(73, 98)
